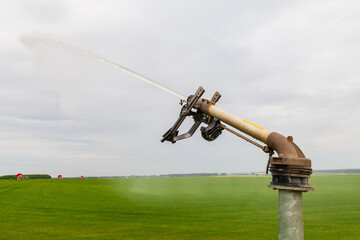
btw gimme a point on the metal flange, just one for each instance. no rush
(290, 173)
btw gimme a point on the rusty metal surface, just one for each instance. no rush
(305, 162)
(285, 147)
(299, 189)
(216, 97)
(291, 178)
(291, 169)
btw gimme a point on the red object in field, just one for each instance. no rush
(60, 177)
(82, 177)
(19, 176)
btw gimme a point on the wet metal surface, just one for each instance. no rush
(291, 226)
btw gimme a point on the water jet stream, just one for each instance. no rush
(102, 60)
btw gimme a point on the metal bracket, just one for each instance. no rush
(171, 134)
(189, 133)
(216, 97)
(209, 133)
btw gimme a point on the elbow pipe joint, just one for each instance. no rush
(285, 147)
(291, 169)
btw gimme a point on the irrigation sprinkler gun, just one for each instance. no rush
(290, 170)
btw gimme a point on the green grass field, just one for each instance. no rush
(172, 208)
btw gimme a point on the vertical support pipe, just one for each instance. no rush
(291, 226)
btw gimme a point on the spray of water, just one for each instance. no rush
(98, 58)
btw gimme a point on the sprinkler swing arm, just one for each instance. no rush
(290, 170)
(209, 133)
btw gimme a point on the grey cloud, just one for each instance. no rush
(288, 66)
(44, 11)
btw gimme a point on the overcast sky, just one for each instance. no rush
(288, 66)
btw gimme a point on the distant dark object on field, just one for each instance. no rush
(27, 176)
